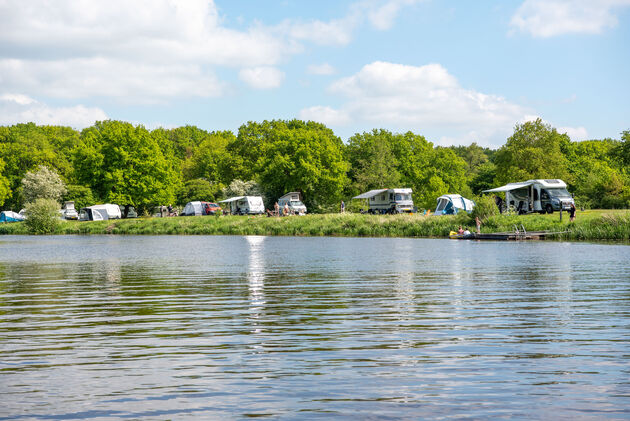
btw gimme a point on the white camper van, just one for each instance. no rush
(100, 212)
(536, 196)
(292, 200)
(245, 205)
(388, 200)
(68, 211)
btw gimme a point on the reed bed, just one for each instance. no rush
(589, 225)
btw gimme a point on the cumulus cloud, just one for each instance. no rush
(575, 133)
(321, 69)
(151, 50)
(418, 98)
(18, 108)
(548, 18)
(262, 77)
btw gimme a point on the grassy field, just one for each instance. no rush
(589, 225)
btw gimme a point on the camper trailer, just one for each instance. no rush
(451, 204)
(100, 212)
(388, 200)
(292, 200)
(245, 205)
(536, 196)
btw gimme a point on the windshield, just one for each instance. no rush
(296, 203)
(558, 192)
(402, 196)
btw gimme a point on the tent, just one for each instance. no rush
(10, 216)
(100, 212)
(450, 204)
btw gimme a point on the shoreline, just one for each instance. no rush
(596, 225)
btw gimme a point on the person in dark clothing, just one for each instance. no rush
(572, 213)
(499, 203)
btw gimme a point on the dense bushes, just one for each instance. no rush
(42, 216)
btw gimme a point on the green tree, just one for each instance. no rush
(5, 189)
(293, 155)
(124, 164)
(211, 160)
(535, 150)
(42, 184)
(199, 189)
(81, 196)
(373, 164)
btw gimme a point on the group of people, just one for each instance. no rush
(466, 231)
(286, 211)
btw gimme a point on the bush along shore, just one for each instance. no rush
(589, 225)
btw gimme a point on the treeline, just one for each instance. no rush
(117, 162)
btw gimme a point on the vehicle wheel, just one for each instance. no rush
(549, 209)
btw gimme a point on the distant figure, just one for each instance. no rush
(343, 207)
(170, 210)
(466, 231)
(499, 203)
(285, 210)
(478, 223)
(572, 212)
(276, 209)
(460, 230)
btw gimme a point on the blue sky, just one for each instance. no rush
(454, 71)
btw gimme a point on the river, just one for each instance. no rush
(196, 327)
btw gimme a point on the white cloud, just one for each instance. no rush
(575, 133)
(382, 16)
(17, 108)
(419, 98)
(262, 77)
(321, 69)
(326, 115)
(548, 18)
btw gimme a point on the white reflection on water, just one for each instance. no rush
(256, 278)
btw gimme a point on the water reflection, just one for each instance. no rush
(233, 327)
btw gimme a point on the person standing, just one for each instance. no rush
(478, 223)
(343, 207)
(276, 209)
(572, 212)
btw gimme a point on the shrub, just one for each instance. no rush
(485, 207)
(42, 216)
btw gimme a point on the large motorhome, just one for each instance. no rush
(536, 196)
(388, 200)
(293, 202)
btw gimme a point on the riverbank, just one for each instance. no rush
(589, 225)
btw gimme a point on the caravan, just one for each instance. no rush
(293, 202)
(536, 196)
(388, 200)
(245, 205)
(100, 212)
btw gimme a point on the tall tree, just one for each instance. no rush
(124, 164)
(535, 150)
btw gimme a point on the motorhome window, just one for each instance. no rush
(544, 195)
(558, 193)
(382, 197)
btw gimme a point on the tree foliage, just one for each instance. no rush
(42, 184)
(124, 164)
(42, 216)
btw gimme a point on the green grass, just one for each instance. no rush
(589, 225)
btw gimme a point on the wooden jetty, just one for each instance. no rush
(516, 235)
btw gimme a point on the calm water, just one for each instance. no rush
(190, 327)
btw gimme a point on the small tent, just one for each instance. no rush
(451, 204)
(10, 216)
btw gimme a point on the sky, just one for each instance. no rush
(456, 71)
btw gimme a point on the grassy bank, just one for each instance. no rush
(589, 225)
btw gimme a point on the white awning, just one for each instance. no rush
(509, 187)
(369, 194)
(232, 199)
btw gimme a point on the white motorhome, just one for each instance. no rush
(388, 200)
(100, 212)
(292, 200)
(245, 205)
(536, 196)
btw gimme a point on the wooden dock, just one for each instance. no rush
(507, 236)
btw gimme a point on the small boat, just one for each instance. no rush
(516, 235)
